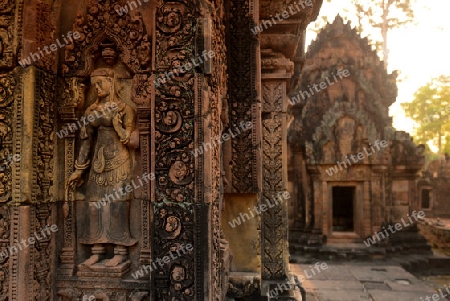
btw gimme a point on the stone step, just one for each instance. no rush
(337, 251)
(343, 240)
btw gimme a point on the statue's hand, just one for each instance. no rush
(117, 120)
(124, 136)
(75, 179)
(125, 140)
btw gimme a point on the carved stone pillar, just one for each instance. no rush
(244, 164)
(186, 196)
(33, 178)
(275, 74)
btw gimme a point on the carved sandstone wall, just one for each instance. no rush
(173, 119)
(230, 76)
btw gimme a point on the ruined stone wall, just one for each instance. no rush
(435, 182)
(340, 111)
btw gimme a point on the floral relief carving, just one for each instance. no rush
(102, 21)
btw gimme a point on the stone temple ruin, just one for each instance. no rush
(141, 134)
(350, 171)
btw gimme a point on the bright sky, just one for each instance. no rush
(419, 51)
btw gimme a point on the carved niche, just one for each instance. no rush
(172, 113)
(121, 44)
(344, 132)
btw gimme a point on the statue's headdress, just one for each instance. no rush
(105, 72)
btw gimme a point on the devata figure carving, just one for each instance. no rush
(109, 133)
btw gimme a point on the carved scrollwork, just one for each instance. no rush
(178, 173)
(6, 6)
(171, 121)
(7, 85)
(273, 97)
(177, 185)
(174, 103)
(4, 243)
(7, 88)
(142, 89)
(101, 21)
(7, 32)
(171, 17)
(72, 94)
(46, 133)
(241, 85)
(175, 23)
(174, 231)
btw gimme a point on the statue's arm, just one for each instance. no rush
(129, 119)
(83, 161)
(124, 123)
(86, 135)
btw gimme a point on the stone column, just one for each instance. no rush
(32, 181)
(187, 150)
(276, 71)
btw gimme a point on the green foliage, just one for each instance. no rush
(446, 149)
(430, 109)
(394, 13)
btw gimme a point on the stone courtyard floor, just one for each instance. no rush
(369, 281)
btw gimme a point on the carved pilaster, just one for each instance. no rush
(186, 118)
(176, 184)
(72, 98)
(32, 181)
(243, 100)
(276, 71)
(144, 124)
(5, 228)
(143, 96)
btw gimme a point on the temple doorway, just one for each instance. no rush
(343, 209)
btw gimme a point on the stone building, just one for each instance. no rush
(126, 181)
(434, 188)
(350, 171)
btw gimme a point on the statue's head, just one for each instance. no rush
(103, 81)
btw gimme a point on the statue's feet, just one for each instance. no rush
(115, 261)
(92, 260)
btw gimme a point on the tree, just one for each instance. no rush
(430, 109)
(383, 15)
